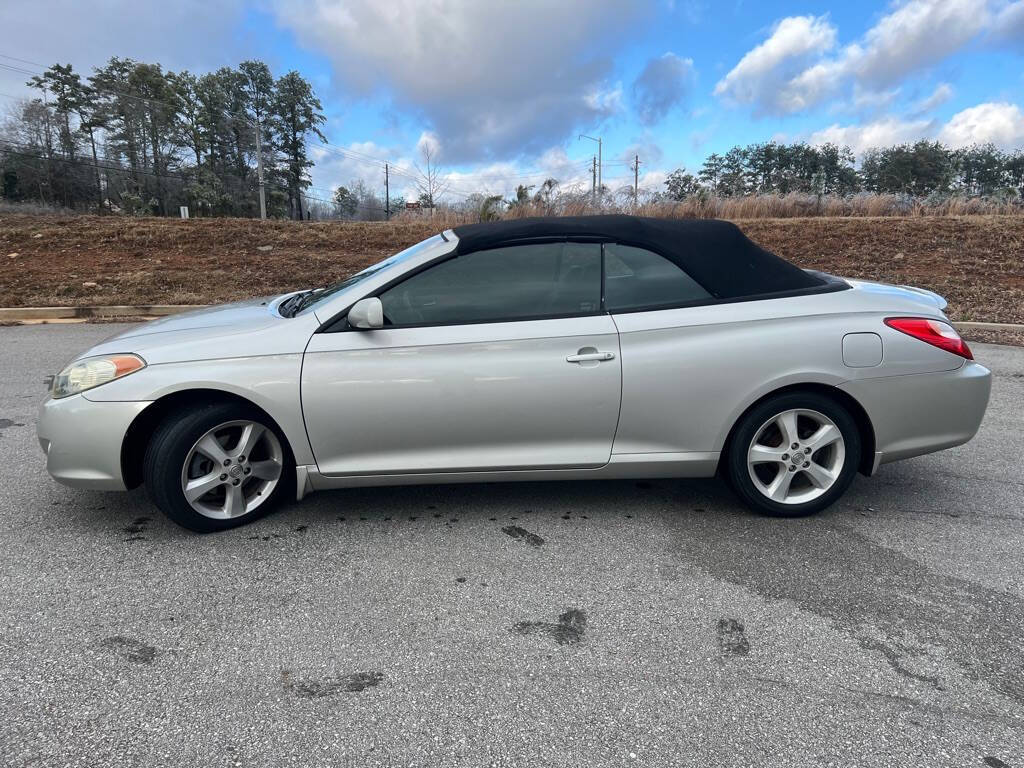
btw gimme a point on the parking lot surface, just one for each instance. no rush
(570, 624)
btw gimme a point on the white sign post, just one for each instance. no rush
(184, 211)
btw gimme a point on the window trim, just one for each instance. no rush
(653, 307)
(339, 322)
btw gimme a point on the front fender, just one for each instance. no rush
(269, 381)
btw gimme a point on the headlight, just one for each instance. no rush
(92, 371)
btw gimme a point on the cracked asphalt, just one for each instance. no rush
(571, 624)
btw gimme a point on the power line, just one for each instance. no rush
(23, 61)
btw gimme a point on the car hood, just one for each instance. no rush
(240, 314)
(242, 329)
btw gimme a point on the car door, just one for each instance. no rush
(675, 384)
(500, 359)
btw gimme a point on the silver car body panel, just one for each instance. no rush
(500, 401)
(921, 413)
(269, 381)
(82, 440)
(462, 398)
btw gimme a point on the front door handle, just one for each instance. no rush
(590, 355)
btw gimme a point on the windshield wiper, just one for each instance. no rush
(306, 298)
(295, 303)
(291, 306)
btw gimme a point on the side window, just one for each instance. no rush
(635, 278)
(542, 280)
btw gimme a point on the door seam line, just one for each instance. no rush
(618, 341)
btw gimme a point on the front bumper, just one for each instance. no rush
(82, 440)
(923, 412)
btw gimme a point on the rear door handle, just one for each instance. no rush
(585, 355)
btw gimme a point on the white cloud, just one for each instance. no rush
(360, 161)
(810, 87)
(867, 100)
(1009, 23)
(998, 122)
(428, 142)
(490, 79)
(915, 35)
(793, 70)
(878, 133)
(794, 42)
(604, 101)
(648, 150)
(943, 92)
(502, 178)
(653, 181)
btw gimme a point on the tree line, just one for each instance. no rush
(921, 169)
(136, 139)
(132, 138)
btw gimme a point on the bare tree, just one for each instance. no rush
(433, 181)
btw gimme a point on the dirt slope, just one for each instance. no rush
(977, 262)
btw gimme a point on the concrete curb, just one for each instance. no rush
(991, 326)
(84, 313)
(71, 314)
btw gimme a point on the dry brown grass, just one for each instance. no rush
(794, 205)
(975, 261)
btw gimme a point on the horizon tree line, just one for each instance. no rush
(132, 138)
(920, 169)
(136, 139)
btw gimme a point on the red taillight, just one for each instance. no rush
(934, 332)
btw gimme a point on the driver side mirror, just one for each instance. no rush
(366, 314)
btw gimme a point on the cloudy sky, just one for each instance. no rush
(501, 90)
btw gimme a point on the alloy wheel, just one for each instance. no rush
(232, 469)
(796, 456)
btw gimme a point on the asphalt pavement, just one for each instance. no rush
(564, 624)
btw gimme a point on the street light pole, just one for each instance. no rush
(600, 162)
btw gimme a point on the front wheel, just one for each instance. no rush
(794, 454)
(217, 467)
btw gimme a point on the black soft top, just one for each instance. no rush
(714, 253)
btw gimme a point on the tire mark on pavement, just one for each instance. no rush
(313, 688)
(136, 528)
(995, 762)
(521, 533)
(567, 631)
(841, 575)
(732, 638)
(129, 648)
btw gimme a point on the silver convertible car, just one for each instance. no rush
(536, 349)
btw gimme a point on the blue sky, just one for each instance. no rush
(500, 91)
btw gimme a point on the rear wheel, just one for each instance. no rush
(218, 466)
(794, 454)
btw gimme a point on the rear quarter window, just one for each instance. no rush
(636, 278)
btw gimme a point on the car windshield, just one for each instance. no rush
(319, 295)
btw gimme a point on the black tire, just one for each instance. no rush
(171, 444)
(736, 468)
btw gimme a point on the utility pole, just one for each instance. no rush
(593, 182)
(387, 194)
(259, 169)
(636, 179)
(600, 161)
